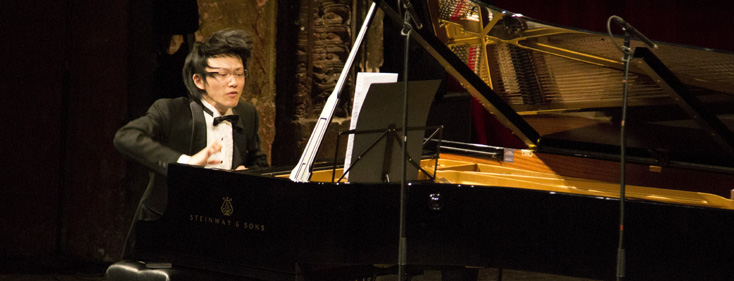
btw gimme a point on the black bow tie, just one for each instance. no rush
(231, 118)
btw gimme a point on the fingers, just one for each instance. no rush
(215, 147)
(211, 150)
(240, 168)
(201, 158)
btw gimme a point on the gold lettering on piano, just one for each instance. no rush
(235, 224)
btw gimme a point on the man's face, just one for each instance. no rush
(224, 82)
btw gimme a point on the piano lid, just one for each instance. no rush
(560, 89)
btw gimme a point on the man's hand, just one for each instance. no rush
(240, 168)
(201, 158)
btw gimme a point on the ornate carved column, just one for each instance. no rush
(314, 40)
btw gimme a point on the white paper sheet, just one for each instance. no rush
(364, 80)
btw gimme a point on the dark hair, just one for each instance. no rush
(223, 43)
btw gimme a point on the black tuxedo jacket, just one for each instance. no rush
(177, 126)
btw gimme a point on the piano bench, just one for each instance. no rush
(138, 271)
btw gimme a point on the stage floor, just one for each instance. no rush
(486, 274)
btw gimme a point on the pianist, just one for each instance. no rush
(211, 127)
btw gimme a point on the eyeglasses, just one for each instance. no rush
(224, 76)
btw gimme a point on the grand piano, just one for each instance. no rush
(551, 206)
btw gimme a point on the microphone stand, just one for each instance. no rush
(403, 242)
(623, 156)
(629, 31)
(408, 16)
(621, 260)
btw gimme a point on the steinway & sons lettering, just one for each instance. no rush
(227, 222)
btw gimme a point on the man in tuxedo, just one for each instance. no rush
(209, 128)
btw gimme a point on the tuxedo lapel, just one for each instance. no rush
(239, 140)
(198, 134)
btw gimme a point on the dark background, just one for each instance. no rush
(72, 75)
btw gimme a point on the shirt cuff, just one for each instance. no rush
(183, 159)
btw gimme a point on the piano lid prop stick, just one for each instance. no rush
(302, 171)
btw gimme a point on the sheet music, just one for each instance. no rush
(362, 85)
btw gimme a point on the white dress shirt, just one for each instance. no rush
(222, 133)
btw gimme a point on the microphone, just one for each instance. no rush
(408, 6)
(634, 32)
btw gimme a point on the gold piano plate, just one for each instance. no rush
(480, 174)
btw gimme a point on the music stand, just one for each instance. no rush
(375, 135)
